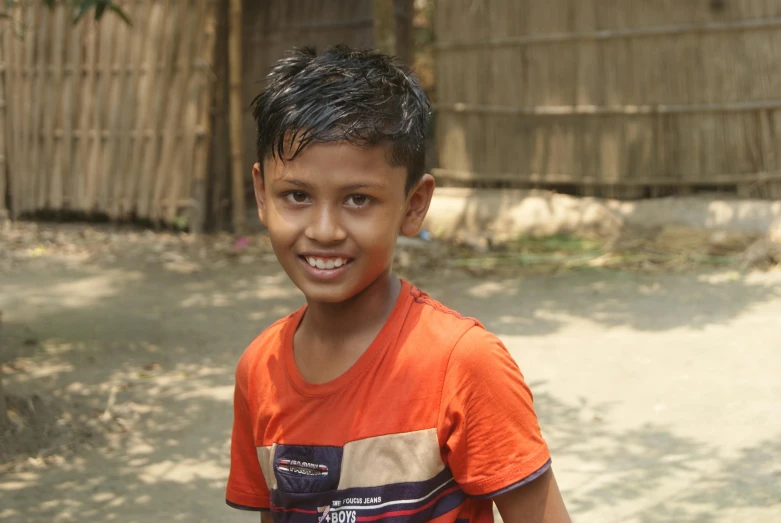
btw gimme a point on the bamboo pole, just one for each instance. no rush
(93, 173)
(171, 169)
(568, 179)
(145, 134)
(25, 183)
(119, 87)
(35, 43)
(235, 120)
(147, 207)
(42, 115)
(357, 24)
(132, 111)
(629, 110)
(197, 217)
(405, 41)
(4, 134)
(54, 146)
(70, 94)
(16, 89)
(217, 176)
(614, 34)
(384, 26)
(86, 107)
(197, 79)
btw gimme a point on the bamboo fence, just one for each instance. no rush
(269, 30)
(617, 98)
(106, 118)
(273, 27)
(152, 121)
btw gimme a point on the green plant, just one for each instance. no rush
(82, 7)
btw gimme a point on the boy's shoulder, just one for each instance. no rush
(269, 341)
(447, 328)
(438, 310)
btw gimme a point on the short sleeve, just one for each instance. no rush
(487, 425)
(247, 487)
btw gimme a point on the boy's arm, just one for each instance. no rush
(246, 488)
(536, 502)
(265, 517)
(491, 435)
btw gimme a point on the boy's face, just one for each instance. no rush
(333, 215)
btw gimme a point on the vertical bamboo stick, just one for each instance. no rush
(114, 38)
(3, 135)
(117, 101)
(136, 80)
(162, 87)
(218, 177)
(54, 141)
(16, 90)
(403, 12)
(41, 124)
(169, 170)
(85, 69)
(70, 97)
(27, 185)
(197, 75)
(235, 105)
(95, 176)
(197, 218)
(147, 83)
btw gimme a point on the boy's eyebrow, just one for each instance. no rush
(364, 185)
(348, 187)
(299, 183)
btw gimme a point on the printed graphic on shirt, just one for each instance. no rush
(302, 467)
(404, 481)
(307, 470)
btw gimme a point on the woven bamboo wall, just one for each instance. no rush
(107, 118)
(625, 98)
(274, 27)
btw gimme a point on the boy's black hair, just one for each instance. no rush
(359, 96)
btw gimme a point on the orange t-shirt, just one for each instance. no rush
(432, 421)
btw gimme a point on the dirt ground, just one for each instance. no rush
(658, 392)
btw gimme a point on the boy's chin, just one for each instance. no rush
(331, 292)
(326, 293)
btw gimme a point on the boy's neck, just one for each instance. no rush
(367, 310)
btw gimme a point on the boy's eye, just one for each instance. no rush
(296, 197)
(357, 200)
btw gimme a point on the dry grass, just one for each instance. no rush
(668, 250)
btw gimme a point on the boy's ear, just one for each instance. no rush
(260, 193)
(418, 201)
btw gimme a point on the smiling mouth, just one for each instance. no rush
(325, 263)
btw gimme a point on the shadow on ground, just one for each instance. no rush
(620, 466)
(540, 305)
(135, 366)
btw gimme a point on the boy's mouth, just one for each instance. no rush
(326, 263)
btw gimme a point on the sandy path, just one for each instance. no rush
(659, 395)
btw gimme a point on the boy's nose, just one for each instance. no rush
(325, 226)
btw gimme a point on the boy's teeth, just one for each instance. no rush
(320, 263)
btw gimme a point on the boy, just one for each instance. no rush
(373, 402)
